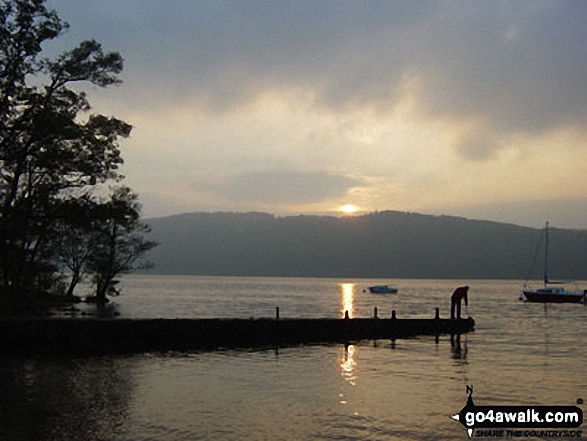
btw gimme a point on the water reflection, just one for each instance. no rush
(458, 351)
(63, 399)
(348, 293)
(348, 365)
(348, 370)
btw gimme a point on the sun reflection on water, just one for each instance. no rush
(348, 364)
(348, 367)
(348, 292)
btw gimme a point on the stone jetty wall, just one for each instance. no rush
(119, 335)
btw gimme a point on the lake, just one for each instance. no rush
(519, 354)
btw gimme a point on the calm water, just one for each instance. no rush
(519, 354)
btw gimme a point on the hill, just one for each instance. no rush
(385, 244)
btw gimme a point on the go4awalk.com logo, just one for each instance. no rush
(515, 421)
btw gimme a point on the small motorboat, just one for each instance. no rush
(382, 289)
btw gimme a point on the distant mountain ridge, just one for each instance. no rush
(387, 244)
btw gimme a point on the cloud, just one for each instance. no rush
(430, 102)
(479, 144)
(518, 67)
(282, 187)
(523, 81)
(566, 213)
(225, 53)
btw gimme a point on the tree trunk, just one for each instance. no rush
(101, 288)
(75, 279)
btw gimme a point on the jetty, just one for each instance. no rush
(83, 335)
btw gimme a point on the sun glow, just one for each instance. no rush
(349, 209)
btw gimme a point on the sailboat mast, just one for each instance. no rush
(546, 254)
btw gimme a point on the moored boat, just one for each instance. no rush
(382, 289)
(551, 294)
(554, 295)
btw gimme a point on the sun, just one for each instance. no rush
(349, 209)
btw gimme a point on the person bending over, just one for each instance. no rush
(455, 301)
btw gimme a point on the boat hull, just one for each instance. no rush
(382, 289)
(554, 297)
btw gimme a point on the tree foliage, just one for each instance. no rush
(74, 238)
(119, 240)
(52, 149)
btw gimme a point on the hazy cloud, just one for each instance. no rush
(567, 213)
(479, 144)
(520, 65)
(516, 66)
(282, 187)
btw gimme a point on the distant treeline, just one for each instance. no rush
(385, 244)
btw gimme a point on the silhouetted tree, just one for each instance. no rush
(119, 241)
(48, 148)
(75, 236)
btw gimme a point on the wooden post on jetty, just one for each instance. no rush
(277, 313)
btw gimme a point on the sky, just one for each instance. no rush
(460, 107)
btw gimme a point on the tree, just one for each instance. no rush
(75, 238)
(119, 241)
(49, 147)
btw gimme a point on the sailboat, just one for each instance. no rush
(551, 294)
